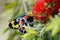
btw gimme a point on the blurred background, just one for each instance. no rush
(4, 19)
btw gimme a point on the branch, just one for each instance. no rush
(24, 5)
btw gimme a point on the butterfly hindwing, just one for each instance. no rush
(22, 30)
(14, 24)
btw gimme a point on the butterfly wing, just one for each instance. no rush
(14, 24)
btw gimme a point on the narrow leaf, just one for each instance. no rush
(7, 29)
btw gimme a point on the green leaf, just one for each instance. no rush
(28, 36)
(7, 29)
(16, 14)
(56, 37)
(10, 5)
(55, 30)
(8, 12)
(34, 38)
(54, 26)
(39, 38)
(30, 30)
(13, 35)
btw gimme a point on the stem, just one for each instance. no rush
(36, 38)
(24, 5)
(57, 36)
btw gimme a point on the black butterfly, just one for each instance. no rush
(22, 20)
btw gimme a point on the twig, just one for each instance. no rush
(24, 5)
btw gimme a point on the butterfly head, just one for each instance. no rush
(30, 13)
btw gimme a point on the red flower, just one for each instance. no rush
(41, 18)
(48, 1)
(56, 1)
(35, 10)
(40, 8)
(55, 8)
(35, 16)
(49, 10)
(43, 10)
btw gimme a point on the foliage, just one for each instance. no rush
(10, 5)
(46, 32)
(54, 26)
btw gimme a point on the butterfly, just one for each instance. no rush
(21, 21)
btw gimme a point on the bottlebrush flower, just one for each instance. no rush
(46, 8)
(48, 1)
